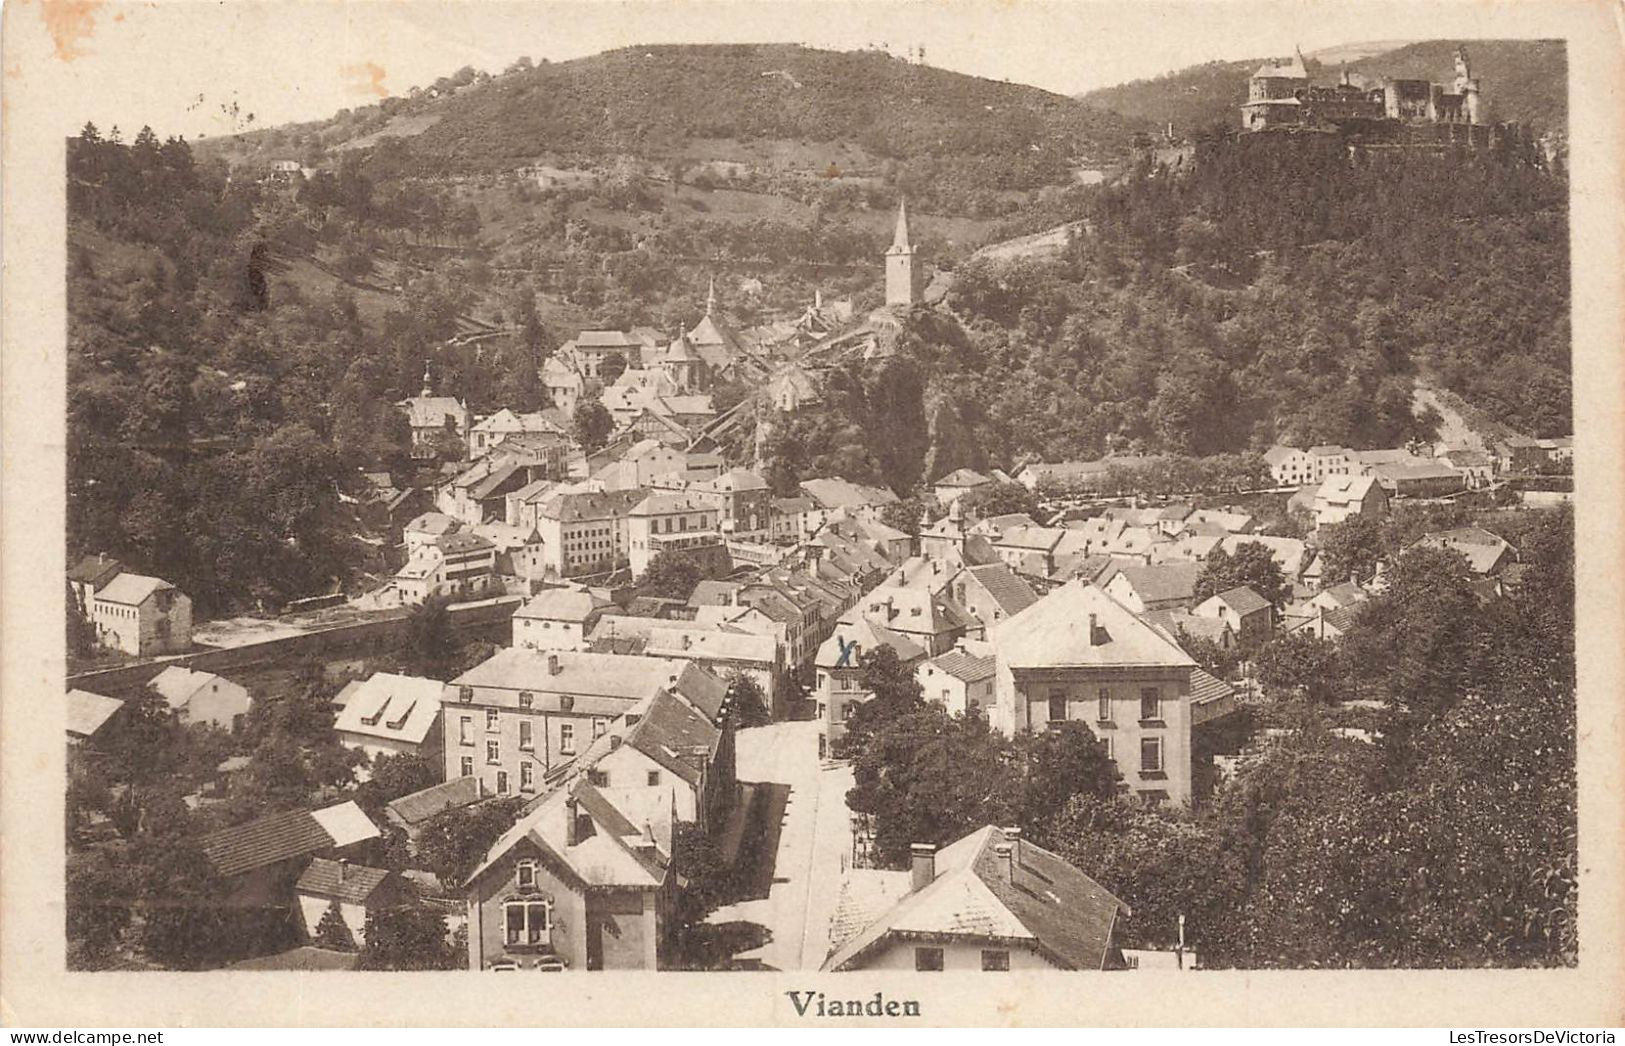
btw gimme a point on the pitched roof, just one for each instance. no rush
(968, 668)
(838, 493)
(342, 881)
(858, 634)
(963, 478)
(1344, 490)
(393, 707)
(267, 840)
(1007, 588)
(179, 685)
(606, 855)
(1033, 896)
(88, 712)
(675, 736)
(1054, 632)
(1172, 622)
(709, 593)
(419, 806)
(561, 604)
(95, 570)
(432, 523)
(1243, 600)
(1208, 687)
(1162, 582)
(131, 589)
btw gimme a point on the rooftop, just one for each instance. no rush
(1055, 632)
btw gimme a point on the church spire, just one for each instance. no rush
(428, 388)
(900, 237)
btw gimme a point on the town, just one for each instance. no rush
(613, 687)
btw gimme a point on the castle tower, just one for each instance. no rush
(1467, 87)
(905, 279)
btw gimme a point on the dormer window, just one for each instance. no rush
(465, 694)
(526, 699)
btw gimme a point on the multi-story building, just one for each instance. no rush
(557, 619)
(1339, 498)
(519, 715)
(840, 665)
(670, 523)
(960, 681)
(585, 532)
(1078, 654)
(141, 615)
(392, 714)
(459, 565)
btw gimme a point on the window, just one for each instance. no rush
(928, 959)
(1151, 755)
(527, 875)
(493, 719)
(1057, 706)
(502, 782)
(654, 777)
(526, 699)
(599, 726)
(466, 766)
(1104, 714)
(465, 730)
(994, 960)
(527, 777)
(1106, 740)
(567, 738)
(1150, 704)
(525, 740)
(598, 778)
(493, 752)
(465, 694)
(528, 922)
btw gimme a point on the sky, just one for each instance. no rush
(181, 65)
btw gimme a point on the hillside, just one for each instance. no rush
(1524, 81)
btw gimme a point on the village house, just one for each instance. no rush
(352, 890)
(411, 813)
(564, 383)
(724, 650)
(956, 484)
(1476, 467)
(1420, 478)
(140, 615)
(840, 664)
(991, 592)
(1078, 654)
(88, 577)
(573, 885)
(960, 681)
(584, 532)
(744, 501)
(830, 495)
(1243, 610)
(1487, 554)
(593, 350)
(1160, 587)
(518, 715)
(424, 530)
(1033, 911)
(90, 717)
(1028, 550)
(557, 619)
(202, 697)
(459, 565)
(390, 714)
(1325, 624)
(492, 431)
(260, 860)
(1339, 498)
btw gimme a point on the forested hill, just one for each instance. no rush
(1523, 81)
(658, 102)
(1276, 293)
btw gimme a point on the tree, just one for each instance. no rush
(430, 646)
(593, 424)
(748, 700)
(406, 937)
(394, 776)
(670, 575)
(997, 499)
(454, 842)
(1056, 765)
(333, 932)
(1352, 549)
(894, 692)
(903, 515)
(1250, 565)
(1300, 663)
(98, 907)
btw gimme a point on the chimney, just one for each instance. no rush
(572, 821)
(688, 640)
(1004, 853)
(614, 742)
(1013, 836)
(1094, 631)
(553, 668)
(344, 869)
(924, 866)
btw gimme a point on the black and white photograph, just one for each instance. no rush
(849, 491)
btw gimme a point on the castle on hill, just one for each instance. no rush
(1401, 111)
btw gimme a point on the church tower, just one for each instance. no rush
(905, 278)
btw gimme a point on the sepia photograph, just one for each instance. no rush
(846, 491)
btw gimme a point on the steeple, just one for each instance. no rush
(428, 389)
(900, 238)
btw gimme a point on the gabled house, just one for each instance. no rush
(410, 813)
(390, 714)
(840, 664)
(1161, 587)
(1078, 654)
(956, 484)
(991, 901)
(352, 889)
(90, 716)
(1339, 498)
(202, 697)
(959, 680)
(572, 885)
(141, 615)
(557, 619)
(261, 859)
(991, 593)
(1244, 610)
(665, 755)
(1487, 554)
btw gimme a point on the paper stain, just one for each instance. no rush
(366, 78)
(69, 22)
